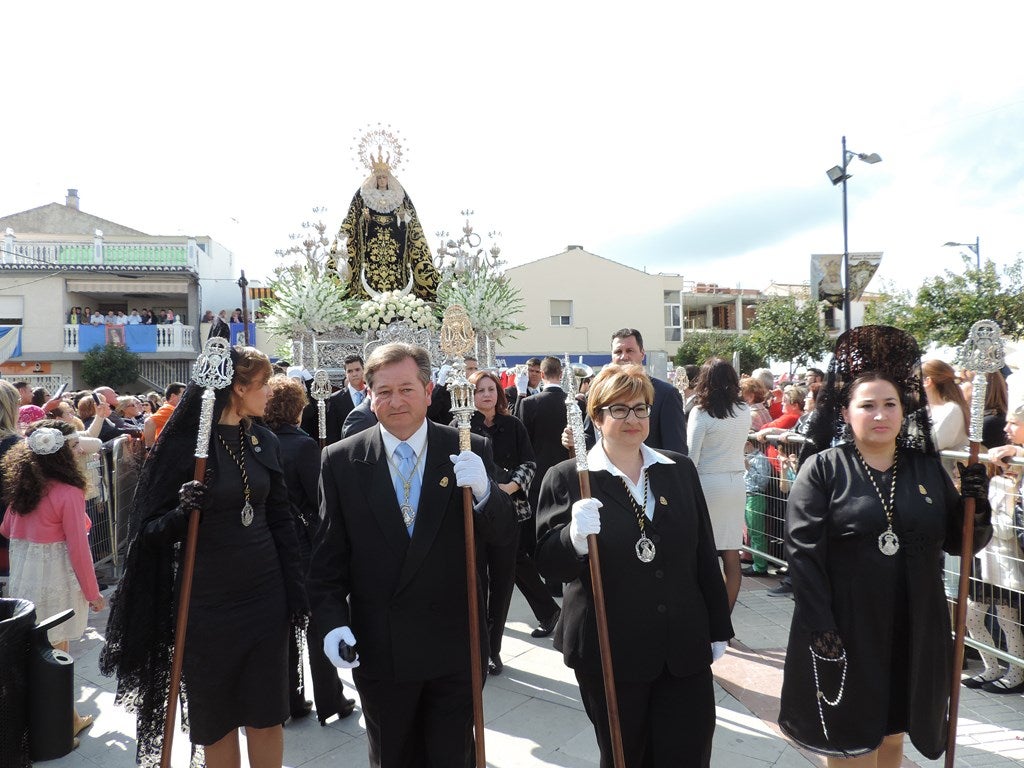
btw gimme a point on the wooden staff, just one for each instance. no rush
(320, 390)
(575, 421)
(983, 354)
(212, 371)
(456, 340)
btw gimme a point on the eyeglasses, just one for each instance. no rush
(642, 411)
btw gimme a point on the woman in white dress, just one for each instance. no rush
(716, 431)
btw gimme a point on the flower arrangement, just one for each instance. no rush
(392, 306)
(305, 299)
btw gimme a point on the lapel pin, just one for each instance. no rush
(444, 482)
(923, 490)
(255, 443)
(662, 500)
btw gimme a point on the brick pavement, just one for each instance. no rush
(535, 718)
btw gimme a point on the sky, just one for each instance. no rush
(690, 140)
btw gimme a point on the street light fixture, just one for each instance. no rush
(838, 175)
(974, 247)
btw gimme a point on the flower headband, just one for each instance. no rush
(46, 440)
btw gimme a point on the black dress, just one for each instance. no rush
(236, 650)
(889, 611)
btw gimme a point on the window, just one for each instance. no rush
(12, 310)
(561, 312)
(673, 316)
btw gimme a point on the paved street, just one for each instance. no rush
(535, 718)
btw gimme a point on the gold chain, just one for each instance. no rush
(239, 460)
(641, 512)
(887, 508)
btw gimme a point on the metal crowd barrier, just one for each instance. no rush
(997, 578)
(117, 465)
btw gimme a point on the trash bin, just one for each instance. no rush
(51, 694)
(17, 619)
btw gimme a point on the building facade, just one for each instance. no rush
(57, 257)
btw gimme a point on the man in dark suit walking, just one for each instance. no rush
(544, 417)
(388, 576)
(341, 403)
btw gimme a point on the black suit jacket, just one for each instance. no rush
(339, 406)
(300, 454)
(666, 612)
(544, 417)
(404, 598)
(358, 419)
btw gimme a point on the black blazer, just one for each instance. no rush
(544, 417)
(300, 454)
(666, 612)
(339, 406)
(358, 419)
(404, 598)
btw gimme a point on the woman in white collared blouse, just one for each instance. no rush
(668, 615)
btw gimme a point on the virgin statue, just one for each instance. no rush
(386, 247)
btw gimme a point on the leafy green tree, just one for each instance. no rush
(783, 331)
(698, 346)
(946, 306)
(111, 366)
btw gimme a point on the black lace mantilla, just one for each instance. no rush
(858, 351)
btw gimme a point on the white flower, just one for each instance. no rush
(46, 440)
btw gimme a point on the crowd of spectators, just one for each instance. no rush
(145, 316)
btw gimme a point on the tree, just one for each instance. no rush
(946, 306)
(698, 346)
(110, 366)
(781, 330)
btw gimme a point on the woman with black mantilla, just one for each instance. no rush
(870, 652)
(246, 586)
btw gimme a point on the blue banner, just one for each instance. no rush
(10, 342)
(238, 333)
(140, 338)
(91, 336)
(137, 338)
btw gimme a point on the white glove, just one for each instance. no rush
(522, 380)
(586, 519)
(334, 637)
(470, 471)
(442, 375)
(718, 649)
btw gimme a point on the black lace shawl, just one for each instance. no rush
(140, 629)
(860, 350)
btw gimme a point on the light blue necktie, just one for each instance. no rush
(407, 469)
(357, 398)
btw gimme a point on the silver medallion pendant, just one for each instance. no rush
(408, 515)
(645, 549)
(889, 542)
(247, 514)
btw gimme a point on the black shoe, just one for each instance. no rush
(344, 710)
(998, 686)
(748, 570)
(494, 666)
(977, 681)
(784, 589)
(301, 708)
(545, 628)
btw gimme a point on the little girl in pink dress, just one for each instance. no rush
(51, 564)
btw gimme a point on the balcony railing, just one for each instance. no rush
(98, 252)
(168, 338)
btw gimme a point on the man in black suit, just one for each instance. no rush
(341, 403)
(524, 388)
(544, 417)
(388, 576)
(667, 419)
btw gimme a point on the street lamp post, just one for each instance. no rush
(838, 175)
